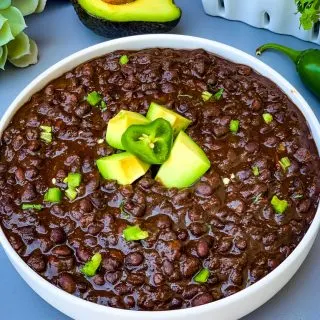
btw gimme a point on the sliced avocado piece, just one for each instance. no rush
(178, 122)
(123, 167)
(119, 124)
(120, 18)
(186, 164)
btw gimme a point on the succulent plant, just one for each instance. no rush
(15, 45)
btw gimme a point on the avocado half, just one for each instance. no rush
(127, 17)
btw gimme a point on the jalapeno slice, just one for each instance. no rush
(150, 142)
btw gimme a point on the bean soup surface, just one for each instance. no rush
(224, 223)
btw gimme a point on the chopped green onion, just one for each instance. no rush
(103, 105)
(73, 180)
(134, 233)
(202, 276)
(46, 129)
(46, 137)
(91, 266)
(29, 206)
(297, 196)
(53, 195)
(206, 95)
(234, 126)
(280, 206)
(285, 163)
(46, 134)
(255, 171)
(123, 60)
(71, 193)
(94, 98)
(267, 117)
(218, 94)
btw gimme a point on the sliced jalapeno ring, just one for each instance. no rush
(150, 142)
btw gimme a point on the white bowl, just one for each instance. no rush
(232, 307)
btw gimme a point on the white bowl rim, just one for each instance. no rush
(172, 314)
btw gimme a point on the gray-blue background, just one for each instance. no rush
(59, 33)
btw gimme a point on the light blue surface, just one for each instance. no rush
(59, 33)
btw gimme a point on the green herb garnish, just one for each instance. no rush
(285, 163)
(134, 233)
(53, 195)
(202, 276)
(255, 171)
(297, 196)
(46, 134)
(310, 11)
(73, 180)
(91, 266)
(103, 105)
(29, 206)
(218, 94)
(234, 126)
(267, 117)
(94, 98)
(280, 206)
(206, 96)
(123, 60)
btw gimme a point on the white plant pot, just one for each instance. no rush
(276, 15)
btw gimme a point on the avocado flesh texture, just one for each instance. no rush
(119, 124)
(139, 10)
(123, 167)
(186, 164)
(178, 122)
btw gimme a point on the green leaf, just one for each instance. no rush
(26, 6)
(280, 206)
(206, 96)
(134, 233)
(234, 126)
(15, 20)
(94, 98)
(19, 47)
(28, 59)
(29, 206)
(218, 95)
(5, 31)
(4, 4)
(310, 12)
(267, 117)
(41, 6)
(123, 60)
(3, 56)
(91, 266)
(255, 171)
(202, 276)
(285, 163)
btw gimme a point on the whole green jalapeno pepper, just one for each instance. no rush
(150, 142)
(307, 63)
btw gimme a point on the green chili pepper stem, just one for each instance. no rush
(291, 53)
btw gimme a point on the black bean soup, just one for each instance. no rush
(224, 223)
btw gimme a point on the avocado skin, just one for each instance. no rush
(111, 29)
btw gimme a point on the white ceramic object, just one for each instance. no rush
(276, 15)
(232, 307)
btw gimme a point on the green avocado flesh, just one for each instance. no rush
(178, 122)
(137, 17)
(123, 167)
(119, 124)
(138, 10)
(186, 164)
